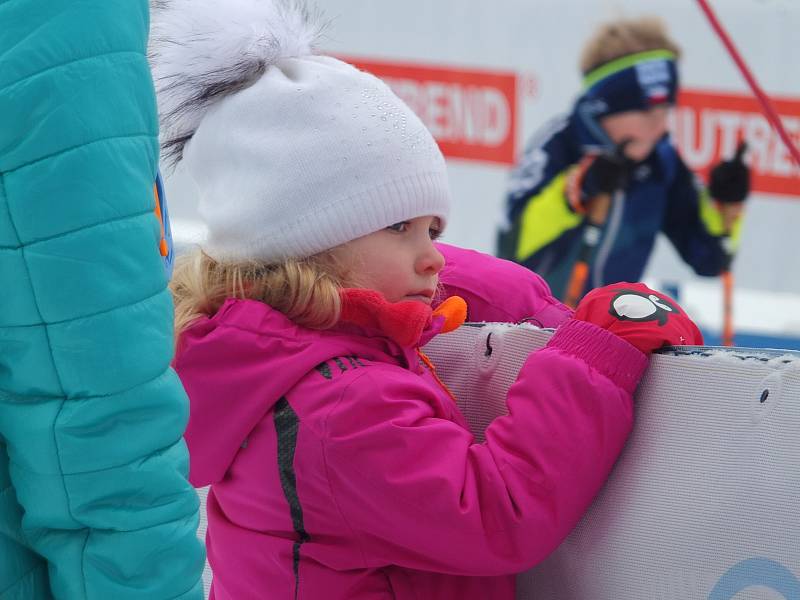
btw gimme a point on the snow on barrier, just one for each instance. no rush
(703, 501)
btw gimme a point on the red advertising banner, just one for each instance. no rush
(707, 126)
(471, 113)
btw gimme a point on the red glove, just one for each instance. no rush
(642, 317)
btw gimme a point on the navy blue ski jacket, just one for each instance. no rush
(544, 233)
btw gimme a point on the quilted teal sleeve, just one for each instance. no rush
(23, 575)
(94, 500)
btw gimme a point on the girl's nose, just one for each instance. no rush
(430, 261)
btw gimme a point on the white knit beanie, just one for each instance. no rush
(293, 153)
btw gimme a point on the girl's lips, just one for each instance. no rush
(421, 295)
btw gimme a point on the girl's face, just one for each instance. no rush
(644, 128)
(399, 261)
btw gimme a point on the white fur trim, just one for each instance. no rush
(204, 50)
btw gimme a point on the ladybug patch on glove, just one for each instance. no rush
(630, 305)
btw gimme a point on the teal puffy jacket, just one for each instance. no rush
(94, 501)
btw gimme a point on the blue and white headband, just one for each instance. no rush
(633, 82)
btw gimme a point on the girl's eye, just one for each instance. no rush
(399, 227)
(435, 233)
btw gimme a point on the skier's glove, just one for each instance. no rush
(598, 174)
(729, 181)
(644, 318)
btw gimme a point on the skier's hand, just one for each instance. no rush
(643, 317)
(597, 176)
(607, 172)
(729, 182)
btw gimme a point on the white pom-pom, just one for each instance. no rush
(204, 50)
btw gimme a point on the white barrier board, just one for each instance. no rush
(703, 503)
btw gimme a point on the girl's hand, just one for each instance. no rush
(643, 317)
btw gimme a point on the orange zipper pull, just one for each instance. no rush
(163, 247)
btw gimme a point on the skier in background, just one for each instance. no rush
(593, 188)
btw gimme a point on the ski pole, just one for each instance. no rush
(727, 307)
(596, 215)
(772, 116)
(766, 106)
(616, 167)
(729, 211)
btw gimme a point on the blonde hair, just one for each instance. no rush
(628, 36)
(305, 290)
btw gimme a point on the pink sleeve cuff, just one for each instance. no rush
(607, 353)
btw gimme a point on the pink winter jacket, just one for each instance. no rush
(499, 291)
(340, 469)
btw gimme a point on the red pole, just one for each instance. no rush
(766, 105)
(727, 308)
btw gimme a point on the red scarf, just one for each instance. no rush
(403, 322)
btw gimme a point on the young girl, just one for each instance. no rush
(340, 467)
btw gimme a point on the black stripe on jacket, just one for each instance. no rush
(286, 425)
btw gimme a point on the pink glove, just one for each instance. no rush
(642, 317)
